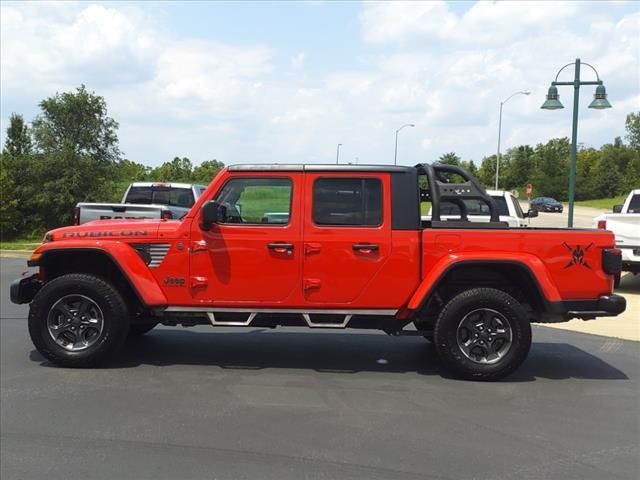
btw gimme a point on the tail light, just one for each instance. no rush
(167, 215)
(612, 260)
(602, 224)
(76, 216)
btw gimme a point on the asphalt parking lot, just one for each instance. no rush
(208, 403)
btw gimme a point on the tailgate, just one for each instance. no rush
(109, 211)
(626, 227)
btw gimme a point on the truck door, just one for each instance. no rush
(255, 254)
(347, 234)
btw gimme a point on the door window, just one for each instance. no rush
(347, 201)
(251, 201)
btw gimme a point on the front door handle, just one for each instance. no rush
(199, 246)
(198, 282)
(365, 247)
(281, 247)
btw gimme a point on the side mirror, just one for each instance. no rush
(211, 213)
(617, 208)
(532, 213)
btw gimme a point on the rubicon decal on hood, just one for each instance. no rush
(106, 233)
(577, 255)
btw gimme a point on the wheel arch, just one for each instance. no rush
(512, 276)
(125, 269)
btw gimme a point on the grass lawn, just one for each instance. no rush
(19, 245)
(603, 203)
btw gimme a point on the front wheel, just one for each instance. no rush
(78, 320)
(482, 334)
(139, 329)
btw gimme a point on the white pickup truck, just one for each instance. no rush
(624, 222)
(143, 200)
(508, 208)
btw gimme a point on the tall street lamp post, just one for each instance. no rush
(523, 92)
(552, 103)
(338, 153)
(395, 157)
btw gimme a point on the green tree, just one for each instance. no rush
(129, 171)
(608, 178)
(632, 125)
(9, 203)
(76, 148)
(76, 123)
(517, 173)
(631, 177)
(206, 171)
(487, 171)
(470, 167)
(18, 142)
(551, 168)
(587, 163)
(177, 170)
(450, 159)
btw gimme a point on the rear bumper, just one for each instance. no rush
(24, 289)
(605, 306)
(630, 258)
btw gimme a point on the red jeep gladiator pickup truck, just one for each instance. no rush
(324, 247)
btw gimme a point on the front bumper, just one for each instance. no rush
(24, 289)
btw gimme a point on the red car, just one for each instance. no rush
(325, 247)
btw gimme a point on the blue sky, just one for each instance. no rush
(287, 81)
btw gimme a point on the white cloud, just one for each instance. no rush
(385, 21)
(297, 62)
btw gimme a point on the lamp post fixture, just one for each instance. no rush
(338, 153)
(523, 92)
(553, 103)
(395, 157)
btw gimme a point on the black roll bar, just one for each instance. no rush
(440, 190)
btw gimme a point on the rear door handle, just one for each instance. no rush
(281, 247)
(365, 247)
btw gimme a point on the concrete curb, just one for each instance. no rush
(15, 253)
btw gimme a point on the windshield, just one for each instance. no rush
(175, 197)
(516, 205)
(634, 204)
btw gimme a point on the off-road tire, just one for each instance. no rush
(446, 334)
(139, 329)
(113, 308)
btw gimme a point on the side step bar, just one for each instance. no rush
(344, 316)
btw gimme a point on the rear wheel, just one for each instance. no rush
(482, 334)
(78, 320)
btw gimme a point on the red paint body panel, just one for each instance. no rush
(340, 274)
(231, 265)
(132, 266)
(545, 252)
(237, 263)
